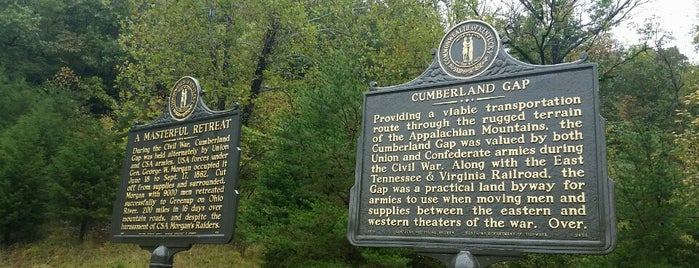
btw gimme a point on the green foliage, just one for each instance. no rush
(540, 260)
(456, 11)
(21, 184)
(57, 161)
(313, 237)
(384, 257)
(85, 174)
(687, 150)
(14, 188)
(640, 100)
(641, 149)
(653, 219)
(18, 95)
(301, 193)
(551, 32)
(218, 42)
(301, 205)
(643, 89)
(89, 93)
(39, 37)
(25, 149)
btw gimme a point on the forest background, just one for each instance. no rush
(76, 74)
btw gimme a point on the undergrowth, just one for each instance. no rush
(61, 249)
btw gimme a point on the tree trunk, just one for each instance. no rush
(262, 61)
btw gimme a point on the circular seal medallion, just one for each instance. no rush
(468, 49)
(183, 98)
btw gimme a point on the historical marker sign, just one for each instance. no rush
(179, 178)
(484, 152)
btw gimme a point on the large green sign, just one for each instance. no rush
(484, 152)
(179, 178)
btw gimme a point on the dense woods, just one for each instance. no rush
(76, 75)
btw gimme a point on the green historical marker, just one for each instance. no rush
(484, 155)
(180, 177)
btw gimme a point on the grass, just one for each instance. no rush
(62, 250)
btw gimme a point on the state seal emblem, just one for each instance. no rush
(183, 98)
(468, 49)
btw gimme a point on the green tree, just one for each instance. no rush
(302, 190)
(645, 88)
(640, 100)
(653, 220)
(25, 150)
(455, 11)
(303, 186)
(551, 32)
(84, 170)
(84, 176)
(39, 37)
(53, 143)
(21, 183)
(18, 96)
(687, 141)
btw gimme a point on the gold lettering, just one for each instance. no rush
(212, 126)
(479, 157)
